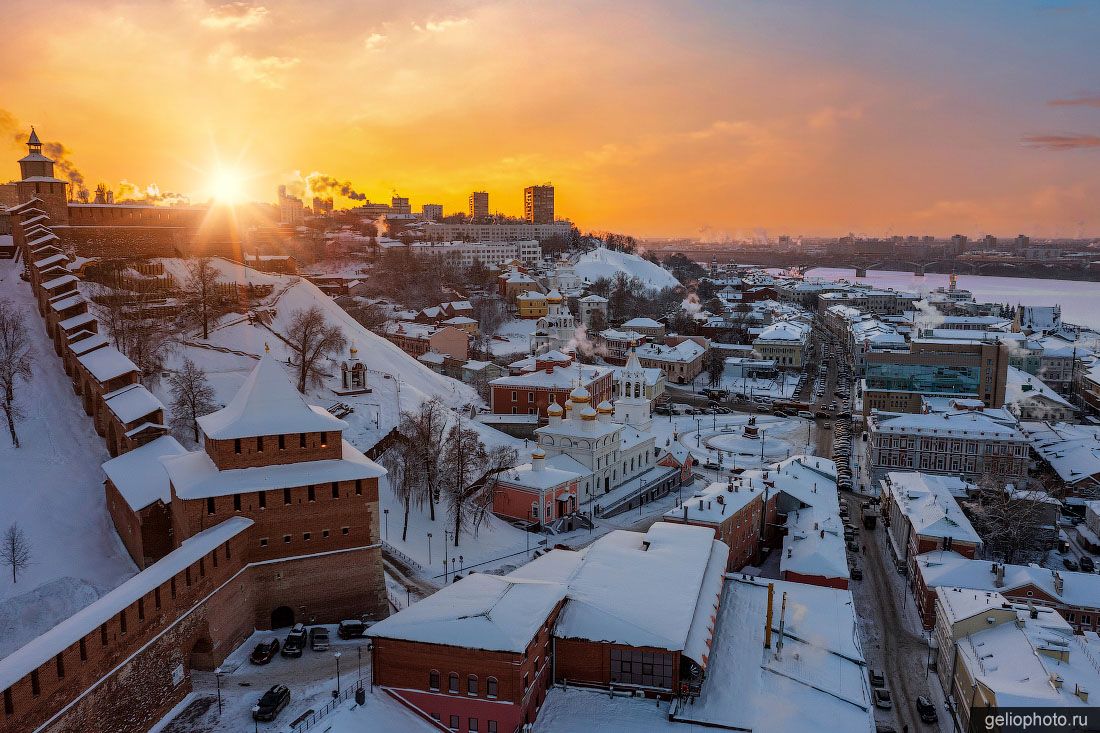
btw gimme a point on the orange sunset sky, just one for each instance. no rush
(654, 118)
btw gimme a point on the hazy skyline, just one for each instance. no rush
(657, 119)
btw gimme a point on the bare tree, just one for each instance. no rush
(15, 363)
(469, 476)
(192, 397)
(714, 364)
(399, 460)
(490, 315)
(1015, 525)
(312, 338)
(426, 427)
(201, 295)
(15, 550)
(369, 315)
(133, 322)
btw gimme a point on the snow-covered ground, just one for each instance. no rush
(514, 337)
(603, 262)
(781, 388)
(52, 488)
(720, 438)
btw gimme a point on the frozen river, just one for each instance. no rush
(1080, 300)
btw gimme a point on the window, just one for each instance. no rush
(60, 659)
(491, 687)
(263, 542)
(324, 533)
(312, 493)
(236, 502)
(214, 557)
(301, 440)
(491, 726)
(103, 634)
(358, 487)
(526, 681)
(286, 539)
(454, 722)
(471, 685)
(187, 576)
(210, 505)
(35, 687)
(228, 553)
(307, 536)
(156, 598)
(173, 587)
(335, 489)
(141, 609)
(83, 651)
(515, 396)
(471, 725)
(452, 683)
(282, 442)
(260, 444)
(286, 496)
(237, 446)
(324, 440)
(261, 496)
(122, 621)
(9, 706)
(344, 530)
(433, 681)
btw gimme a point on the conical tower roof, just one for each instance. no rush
(267, 404)
(33, 139)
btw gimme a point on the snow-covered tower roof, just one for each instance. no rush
(267, 404)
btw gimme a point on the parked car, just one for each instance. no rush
(352, 629)
(264, 652)
(1070, 563)
(272, 703)
(855, 572)
(318, 638)
(877, 679)
(295, 642)
(852, 546)
(882, 698)
(1087, 564)
(926, 710)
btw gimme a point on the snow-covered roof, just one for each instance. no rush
(949, 568)
(132, 402)
(68, 300)
(107, 363)
(642, 323)
(615, 334)
(815, 681)
(267, 404)
(716, 502)
(685, 351)
(961, 424)
(1021, 386)
(194, 475)
(57, 282)
(1073, 451)
(478, 612)
(80, 319)
(432, 357)
(632, 589)
(814, 544)
(1016, 657)
(538, 478)
(139, 475)
(44, 648)
(562, 377)
(50, 261)
(789, 331)
(928, 502)
(89, 343)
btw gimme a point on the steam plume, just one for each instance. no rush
(318, 184)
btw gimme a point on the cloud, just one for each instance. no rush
(1093, 101)
(264, 70)
(1062, 142)
(237, 16)
(440, 26)
(374, 41)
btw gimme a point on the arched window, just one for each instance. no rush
(491, 687)
(452, 683)
(433, 680)
(471, 685)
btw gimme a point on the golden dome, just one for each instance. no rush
(605, 408)
(579, 395)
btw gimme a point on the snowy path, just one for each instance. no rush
(53, 488)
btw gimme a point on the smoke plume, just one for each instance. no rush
(151, 194)
(320, 184)
(10, 127)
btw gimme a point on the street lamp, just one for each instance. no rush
(336, 656)
(359, 662)
(218, 677)
(255, 722)
(370, 678)
(386, 513)
(429, 548)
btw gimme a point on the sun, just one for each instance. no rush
(227, 186)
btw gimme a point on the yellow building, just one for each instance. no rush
(531, 305)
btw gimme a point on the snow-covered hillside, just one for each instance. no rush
(603, 262)
(52, 487)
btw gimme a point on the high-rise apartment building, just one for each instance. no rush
(479, 204)
(432, 212)
(538, 204)
(400, 205)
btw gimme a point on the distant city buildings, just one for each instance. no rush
(479, 205)
(432, 212)
(538, 204)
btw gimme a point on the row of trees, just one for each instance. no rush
(630, 297)
(441, 461)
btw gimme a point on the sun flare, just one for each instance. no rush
(227, 186)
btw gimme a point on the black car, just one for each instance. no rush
(272, 703)
(856, 573)
(877, 679)
(295, 642)
(1070, 564)
(351, 629)
(264, 652)
(1087, 564)
(926, 710)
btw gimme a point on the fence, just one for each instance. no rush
(312, 718)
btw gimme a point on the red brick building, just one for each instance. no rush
(733, 511)
(631, 612)
(535, 492)
(549, 378)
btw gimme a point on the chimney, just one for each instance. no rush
(1081, 692)
(1059, 583)
(782, 623)
(1000, 579)
(768, 621)
(685, 511)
